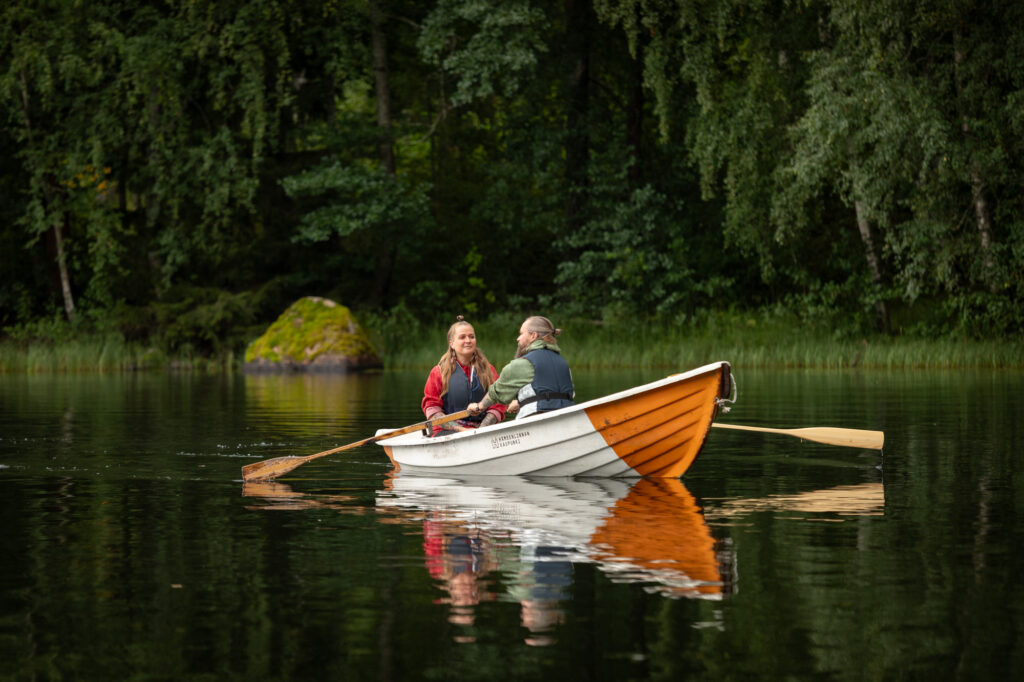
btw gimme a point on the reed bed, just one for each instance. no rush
(106, 354)
(68, 356)
(746, 342)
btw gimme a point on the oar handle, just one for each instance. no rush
(428, 424)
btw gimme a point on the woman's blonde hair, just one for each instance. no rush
(449, 362)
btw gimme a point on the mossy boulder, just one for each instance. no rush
(312, 335)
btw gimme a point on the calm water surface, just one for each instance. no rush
(131, 548)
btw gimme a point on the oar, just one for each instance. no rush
(272, 468)
(854, 438)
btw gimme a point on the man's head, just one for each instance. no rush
(534, 328)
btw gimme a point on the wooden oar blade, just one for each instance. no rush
(270, 468)
(854, 438)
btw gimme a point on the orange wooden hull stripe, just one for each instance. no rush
(658, 433)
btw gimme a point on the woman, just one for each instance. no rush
(461, 376)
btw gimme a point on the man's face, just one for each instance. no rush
(524, 339)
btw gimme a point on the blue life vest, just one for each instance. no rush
(551, 388)
(460, 393)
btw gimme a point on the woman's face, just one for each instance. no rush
(463, 343)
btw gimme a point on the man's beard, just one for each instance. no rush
(521, 350)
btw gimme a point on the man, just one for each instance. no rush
(538, 379)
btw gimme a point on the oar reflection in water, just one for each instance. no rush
(864, 499)
(277, 495)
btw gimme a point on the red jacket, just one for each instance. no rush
(433, 403)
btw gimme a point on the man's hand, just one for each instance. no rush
(513, 407)
(477, 408)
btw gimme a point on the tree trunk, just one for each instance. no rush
(58, 237)
(65, 281)
(386, 250)
(864, 227)
(635, 110)
(984, 223)
(635, 117)
(381, 77)
(577, 141)
(981, 211)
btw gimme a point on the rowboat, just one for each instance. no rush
(654, 430)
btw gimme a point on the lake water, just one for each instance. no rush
(132, 550)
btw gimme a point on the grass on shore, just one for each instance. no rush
(95, 354)
(744, 341)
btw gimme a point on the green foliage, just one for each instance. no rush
(613, 159)
(192, 321)
(205, 322)
(357, 198)
(628, 256)
(489, 46)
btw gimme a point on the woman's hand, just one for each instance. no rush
(453, 426)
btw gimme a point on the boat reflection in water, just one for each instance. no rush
(516, 539)
(509, 538)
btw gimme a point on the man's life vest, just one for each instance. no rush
(551, 387)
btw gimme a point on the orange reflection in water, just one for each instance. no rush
(657, 533)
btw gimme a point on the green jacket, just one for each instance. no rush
(516, 374)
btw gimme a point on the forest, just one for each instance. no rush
(177, 172)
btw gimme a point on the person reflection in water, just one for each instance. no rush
(458, 560)
(543, 585)
(461, 559)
